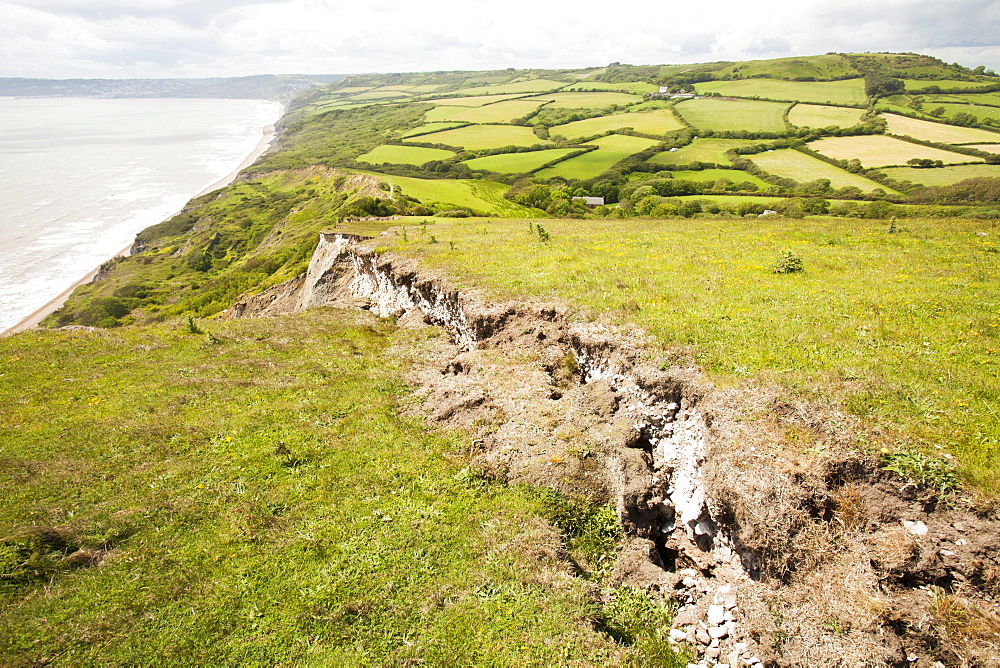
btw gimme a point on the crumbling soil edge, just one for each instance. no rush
(773, 558)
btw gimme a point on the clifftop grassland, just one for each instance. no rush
(271, 489)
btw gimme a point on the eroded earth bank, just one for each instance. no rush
(778, 540)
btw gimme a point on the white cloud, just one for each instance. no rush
(92, 38)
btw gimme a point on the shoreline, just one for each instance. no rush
(32, 321)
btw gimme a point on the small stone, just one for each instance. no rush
(947, 553)
(702, 637)
(677, 635)
(725, 589)
(718, 632)
(753, 661)
(712, 653)
(729, 616)
(689, 582)
(917, 528)
(740, 647)
(714, 643)
(716, 614)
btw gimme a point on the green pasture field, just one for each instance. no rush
(734, 175)
(989, 99)
(751, 115)
(518, 163)
(635, 87)
(428, 128)
(486, 197)
(703, 150)
(592, 100)
(900, 329)
(647, 122)
(850, 91)
(979, 111)
(611, 149)
(970, 86)
(731, 200)
(882, 151)
(530, 86)
(501, 112)
(943, 176)
(822, 116)
(796, 165)
(897, 103)
(255, 496)
(474, 101)
(475, 137)
(404, 155)
(819, 67)
(937, 132)
(378, 94)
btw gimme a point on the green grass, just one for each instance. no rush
(703, 150)
(821, 116)
(636, 87)
(901, 329)
(477, 137)
(474, 101)
(850, 91)
(830, 66)
(485, 197)
(501, 112)
(258, 499)
(428, 128)
(611, 149)
(880, 151)
(981, 98)
(796, 165)
(970, 86)
(518, 163)
(404, 155)
(647, 122)
(734, 175)
(529, 86)
(943, 176)
(598, 100)
(937, 132)
(732, 115)
(979, 111)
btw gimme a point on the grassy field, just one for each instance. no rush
(501, 112)
(598, 100)
(880, 151)
(850, 91)
(428, 128)
(971, 86)
(943, 176)
(482, 196)
(751, 115)
(612, 149)
(822, 116)
(474, 101)
(529, 86)
(476, 137)
(404, 155)
(979, 111)
(702, 150)
(518, 163)
(937, 132)
(635, 87)
(796, 165)
(990, 148)
(901, 329)
(646, 122)
(734, 175)
(830, 66)
(255, 497)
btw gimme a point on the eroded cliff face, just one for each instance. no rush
(759, 545)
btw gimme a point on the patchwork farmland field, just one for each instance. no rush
(611, 149)
(485, 197)
(937, 132)
(989, 148)
(636, 87)
(501, 112)
(850, 91)
(822, 116)
(703, 150)
(476, 137)
(796, 165)
(428, 128)
(598, 100)
(646, 122)
(404, 155)
(979, 111)
(716, 114)
(530, 86)
(882, 151)
(473, 101)
(943, 176)
(708, 175)
(518, 163)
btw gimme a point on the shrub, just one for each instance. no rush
(787, 263)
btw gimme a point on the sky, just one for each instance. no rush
(203, 38)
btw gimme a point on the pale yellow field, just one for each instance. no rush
(647, 122)
(882, 151)
(937, 132)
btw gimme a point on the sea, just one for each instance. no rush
(79, 177)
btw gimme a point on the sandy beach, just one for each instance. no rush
(36, 317)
